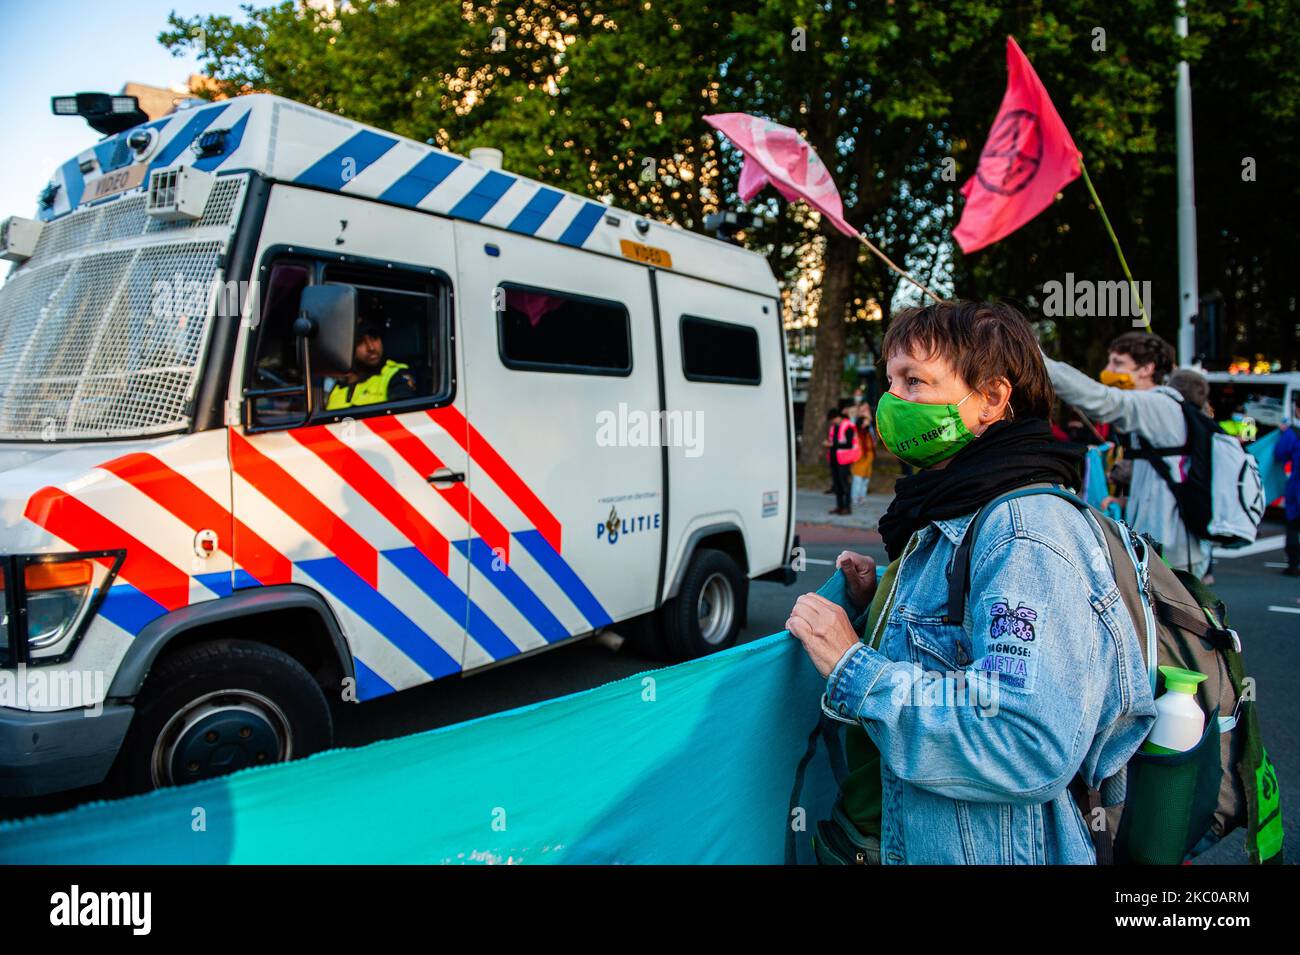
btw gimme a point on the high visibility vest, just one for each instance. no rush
(844, 455)
(371, 391)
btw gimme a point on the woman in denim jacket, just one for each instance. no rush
(981, 724)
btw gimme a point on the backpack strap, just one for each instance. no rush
(1156, 456)
(959, 576)
(1221, 638)
(1145, 452)
(1121, 550)
(1087, 799)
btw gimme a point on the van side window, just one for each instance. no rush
(719, 351)
(541, 330)
(402, 348)
(277, 364)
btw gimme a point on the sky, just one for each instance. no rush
(55, 47)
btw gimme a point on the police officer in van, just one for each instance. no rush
(372, 380)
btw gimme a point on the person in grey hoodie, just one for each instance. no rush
(1132, 395)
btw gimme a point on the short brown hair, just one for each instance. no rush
(1192, 385)
(983, 341)
(1146, 349)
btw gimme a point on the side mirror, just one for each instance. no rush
(327, 322)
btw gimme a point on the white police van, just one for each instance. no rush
(207, 540)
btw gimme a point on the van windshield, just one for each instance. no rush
(102, 330)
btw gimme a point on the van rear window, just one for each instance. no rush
(719, 351)
(541, 330)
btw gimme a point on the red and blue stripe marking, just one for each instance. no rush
(150, 585)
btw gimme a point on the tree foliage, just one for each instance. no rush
(895, 95)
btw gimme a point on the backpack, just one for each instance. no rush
(1221, 499)
(1164, 809)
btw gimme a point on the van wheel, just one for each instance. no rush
(705, 615)
(215, 708)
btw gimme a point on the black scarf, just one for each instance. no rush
(1007, 456)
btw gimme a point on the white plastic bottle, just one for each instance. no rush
(1179, 721)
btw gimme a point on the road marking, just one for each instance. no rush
(1261, 546)
(1285, 609)
(1277, 564)
(818, 560)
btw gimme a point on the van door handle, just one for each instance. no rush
(446, 475)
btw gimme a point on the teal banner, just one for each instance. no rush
(693, 763)
(1095, 489)
(1271, 471)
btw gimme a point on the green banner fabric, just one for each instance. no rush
(693, 763)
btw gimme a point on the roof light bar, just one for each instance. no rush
(105, 114)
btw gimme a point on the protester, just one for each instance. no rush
(840, 447)
(861, 468)
(1288, 449)
(1193, 386)
(938, 774)
(1131, 395)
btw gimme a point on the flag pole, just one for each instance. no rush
(884, 258)
(1132, 286)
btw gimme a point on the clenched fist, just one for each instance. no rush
(859, 576)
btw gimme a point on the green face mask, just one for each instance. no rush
(921, 434)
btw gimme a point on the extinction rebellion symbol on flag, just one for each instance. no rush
(1013, 153)
(1028, 158)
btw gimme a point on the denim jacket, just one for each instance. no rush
(981, 727)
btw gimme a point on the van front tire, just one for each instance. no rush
(705, 615)
(215, 708)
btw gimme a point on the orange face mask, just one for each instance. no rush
(1116, 379)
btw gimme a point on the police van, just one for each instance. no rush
(295, 411)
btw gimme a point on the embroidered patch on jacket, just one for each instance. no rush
(1017, 623)
(1009, 654)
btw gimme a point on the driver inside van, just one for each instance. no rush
(372, 380)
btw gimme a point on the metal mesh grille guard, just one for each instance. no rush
(102, 330)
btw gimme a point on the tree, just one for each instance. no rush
(896, 96)
(604, 106)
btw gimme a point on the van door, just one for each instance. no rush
(366, 501)
(560, 347)
(723, 360)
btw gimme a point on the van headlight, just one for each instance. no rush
(48, 600)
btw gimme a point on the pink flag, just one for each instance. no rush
(1028, 159)
(779, 155)
(533, 304)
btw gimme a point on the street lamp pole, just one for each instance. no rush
(1188, 288)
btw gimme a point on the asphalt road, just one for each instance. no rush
(1264, 607)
